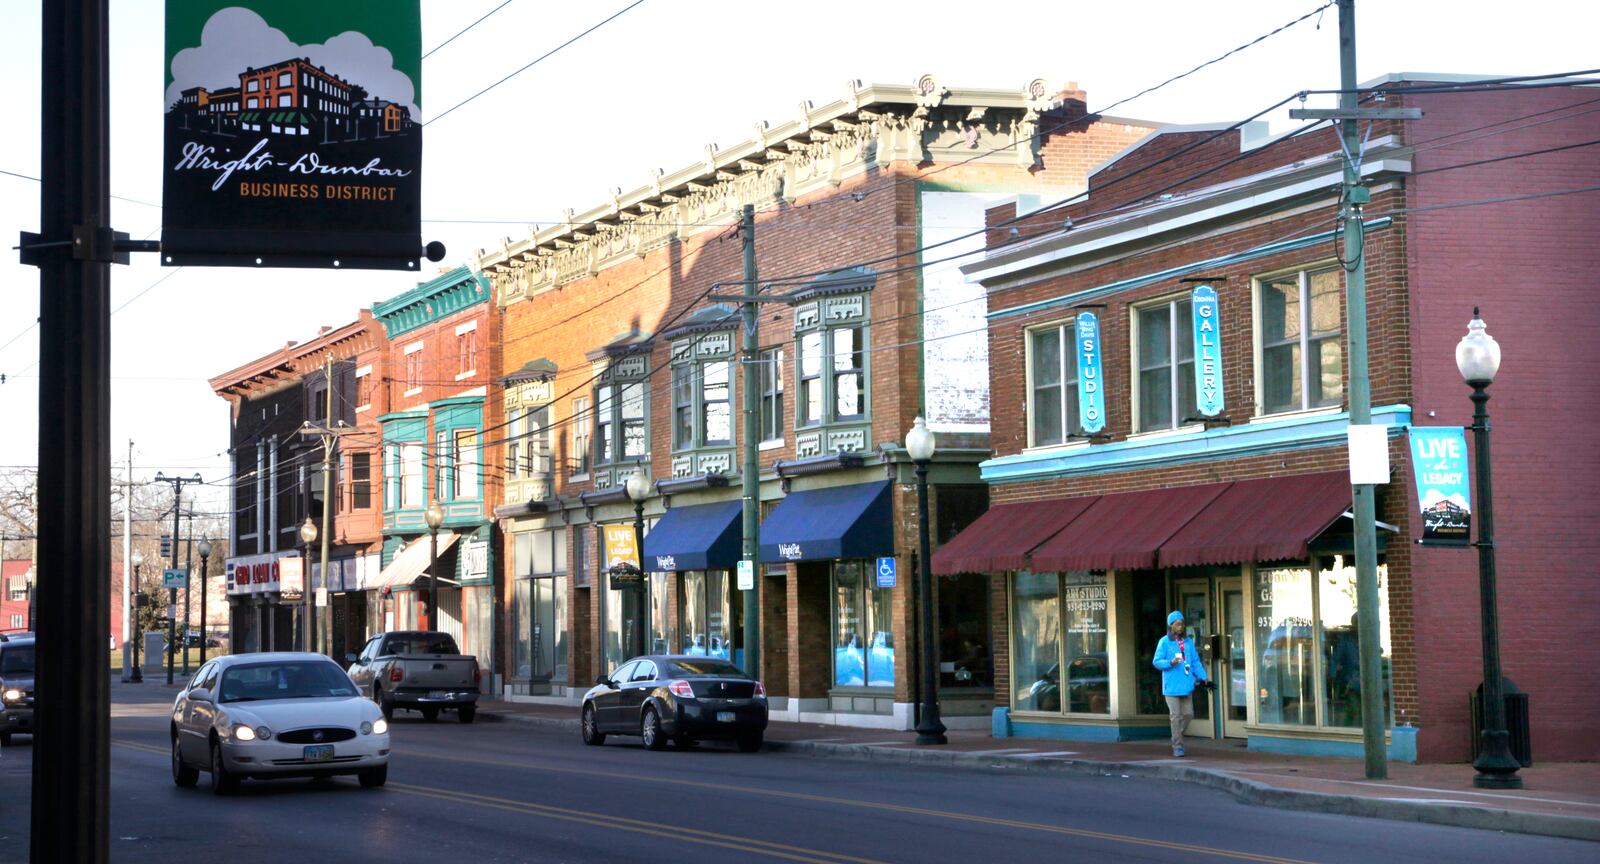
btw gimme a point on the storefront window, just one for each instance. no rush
(1285, 647)
(521, 658)
(1149, 625)
(704, 604)
(1088, 664)
(964, 631)
(1341, 646)
(863, 647)
(660, 641)
(1036, 629)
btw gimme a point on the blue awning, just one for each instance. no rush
(837, 522)
(700, 537)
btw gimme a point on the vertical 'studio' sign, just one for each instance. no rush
(293, 133)
(1091, 392)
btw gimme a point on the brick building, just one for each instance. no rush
(616, 359)
(1240, 519)
(277, 483)
(430, 401)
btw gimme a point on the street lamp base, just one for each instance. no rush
(1483, 780)
(137, 677)
(932, 738)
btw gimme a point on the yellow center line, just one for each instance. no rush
(876, 805)
(672, 832)
(148, 748)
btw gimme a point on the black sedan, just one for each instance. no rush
(684, 699)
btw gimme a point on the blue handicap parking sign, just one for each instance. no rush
(886, 573)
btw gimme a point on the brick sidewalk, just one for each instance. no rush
(1561, 798)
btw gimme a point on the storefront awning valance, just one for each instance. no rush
(837, 522)
(411, 562)
(1124, 531)
(1261, 520)
(698, 537)
(1003, 536)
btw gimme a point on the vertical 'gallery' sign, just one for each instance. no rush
(1207, 352)
(1091, 389)
(1439, 459)
(293, 133)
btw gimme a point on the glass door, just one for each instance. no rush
(1194, 601)
(1228, 670)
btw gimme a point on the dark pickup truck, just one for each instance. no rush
(419, 670)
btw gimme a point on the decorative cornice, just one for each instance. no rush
(632, 342)
(850, 280)
(433, 300)
(840, 461)
(690, 484)
(542, 369)
(708, 320)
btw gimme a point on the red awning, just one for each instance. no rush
(1261, 520)
(1123, 532)
(1004, 535)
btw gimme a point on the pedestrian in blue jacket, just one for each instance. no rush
(1181, 670)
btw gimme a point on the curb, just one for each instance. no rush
(1453, 815)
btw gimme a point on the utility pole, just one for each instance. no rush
(127, 556)
(172, 593)
(329, 435)
(750, 358)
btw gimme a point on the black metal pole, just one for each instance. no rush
(1497, 768)
(305, 595)
(69, 820)
(642, 593)
(172, 593)
(188, 595)
(136, 675)
(433, 578)
(929, 728)
(204, 560)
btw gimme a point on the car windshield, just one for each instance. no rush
(707, 667)
(422, 643)
(16, 660)
(289, 680)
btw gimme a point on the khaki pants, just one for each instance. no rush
(1181, 711)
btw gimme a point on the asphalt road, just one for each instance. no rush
(509, 792)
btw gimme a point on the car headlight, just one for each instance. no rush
(380, 726)
(366, 728)
(13, 695)
(241, 732)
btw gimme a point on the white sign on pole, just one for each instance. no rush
(1369, 455)
(747, 575)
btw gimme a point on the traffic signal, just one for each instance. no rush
(166, 546)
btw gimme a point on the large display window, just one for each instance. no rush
(863, 631)
(706, 629)
(1060, 639)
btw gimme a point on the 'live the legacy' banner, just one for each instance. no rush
(1439, 458)
(293, 133)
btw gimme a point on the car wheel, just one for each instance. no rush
(372, 778)
(650, 730)
(467, 713)
(183, 775)
(430, 714)
(591, 728)
(222, 783)
(749, 742)
(385, 704)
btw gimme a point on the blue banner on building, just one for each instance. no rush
(1207, 352)
(1439, 459)
(1091, 393)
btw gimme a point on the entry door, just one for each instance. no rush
(1194, 601)
(1228, 669)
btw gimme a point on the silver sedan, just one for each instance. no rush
(287, 714)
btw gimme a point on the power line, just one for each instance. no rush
(465, 29)
(535, 61)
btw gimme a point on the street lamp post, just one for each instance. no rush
(205, 557)
(1478, 359)
(434, 516)
(919, 445)
(638, 490)
(136, 676)
(308, 535)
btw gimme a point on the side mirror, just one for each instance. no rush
(603, 681)
(350, 657)
(200, 694)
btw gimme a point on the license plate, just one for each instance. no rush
(319, 753)
(439, 694)
(725, 716)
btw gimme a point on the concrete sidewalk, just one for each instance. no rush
(1559, 799)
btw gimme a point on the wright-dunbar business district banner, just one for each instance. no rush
(1439, 458)
(293, 133)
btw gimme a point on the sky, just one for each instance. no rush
(649, 90)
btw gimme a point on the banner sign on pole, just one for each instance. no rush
(293, 134)
(1091, 393)
(1207, 352)
(1439, 458)
(622, 553)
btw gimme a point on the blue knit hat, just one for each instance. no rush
(1174, 618)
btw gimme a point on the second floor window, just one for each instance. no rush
(528, 444)
(411, 476)
(772, 395)
(1053, 386)
(580, 437)
(414, 370)
(363, 390)
(1166, 366)
(849, 368)
(682, 407)
(360, 481)
(620, 423)
(464, 463)
(809, 409)
(467, 352)
(1301, 365)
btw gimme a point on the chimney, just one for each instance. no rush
(1071, 92)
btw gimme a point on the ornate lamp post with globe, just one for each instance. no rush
(638, 486)
(930, 730)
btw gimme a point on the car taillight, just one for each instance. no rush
(680, 688)
(760, 690)
(395, 674)
(477, 674)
